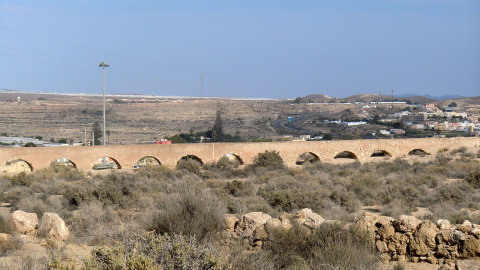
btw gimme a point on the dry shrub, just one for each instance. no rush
(329, 247)
(10, 244)
(268, 159)
(473, 178)
(190, 211)
(157, 252)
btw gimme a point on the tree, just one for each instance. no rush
(62, 140)
(453, 104)
(218, 128)
(108, 132)
(97, 132)
(30, 144)
(327, 137)
(177, 139)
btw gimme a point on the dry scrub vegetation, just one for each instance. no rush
(161, 218)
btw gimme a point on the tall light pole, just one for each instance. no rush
(103, 65)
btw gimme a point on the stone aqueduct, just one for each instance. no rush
(126, 156)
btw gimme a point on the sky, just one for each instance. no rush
(248, 49)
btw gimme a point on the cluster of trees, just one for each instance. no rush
(216, 134)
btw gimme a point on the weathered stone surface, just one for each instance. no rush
(53, 227)
(470, 247)
(465, 227)
(397, 243)
(250, 221)
(381, 246)
(24, 222)
(385, 229)
(443, 224)
(406, 223)
(230, 221)
(308, 218)
(455, 237)
(468, 265)
(423, 240)
(260, 233)
(273, 224)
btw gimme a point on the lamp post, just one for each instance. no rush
(103, 65)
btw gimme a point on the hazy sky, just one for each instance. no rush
(248, 48)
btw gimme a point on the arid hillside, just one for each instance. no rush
(141, 119)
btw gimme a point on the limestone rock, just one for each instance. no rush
(397, 243)
(273, 224)
(465, 227)
(24, 222)
(309, 219)
(423, 240)
(260, 233)
(471, 247)
(250, 221)
(230, 221)
(53, 227)
(443, 224)
(406, 223)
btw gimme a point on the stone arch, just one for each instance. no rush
(418, 152)
(380, 153)
(106, 162)
(192, 157)
(307, 158)
(16, 165)
(63, 162)
(346, 154)
(148, 161)
(233, 158)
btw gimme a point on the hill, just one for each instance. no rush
(317, 98)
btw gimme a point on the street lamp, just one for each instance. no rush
(103, 65)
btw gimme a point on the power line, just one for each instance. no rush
(146, 60)
(115, 69)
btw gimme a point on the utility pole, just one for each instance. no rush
(85, 141)
(380, 98)
(93, 137)
(201, 87)
(103, 65)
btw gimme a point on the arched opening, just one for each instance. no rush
(17, 165)
(232, 158)
(63, 162)
(380, 153)
(147, 161)
(418, 152)
(192, 157)
(307, 158)
(346, 154)
(106, 163)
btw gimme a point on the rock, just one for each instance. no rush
(230, 221)
(273, 224)
(406, 223)
(397, 243)
(385, 229)
(423, 240)
(249, 222)
(465, 227)
(308, 218)
(24, 222)
(260, 233)
(470, 247)
(475, 232)
(443, 224)
(455, 237)
(4, 237)
(53, 227)
(468, 265)
(381, 246)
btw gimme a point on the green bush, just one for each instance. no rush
(239, 188)
(269, 159)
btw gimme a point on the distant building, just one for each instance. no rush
(414, 118)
